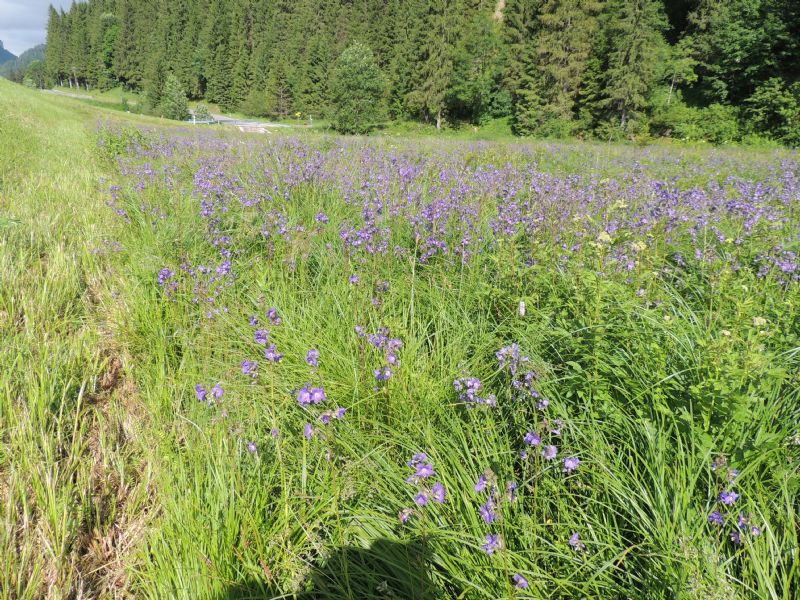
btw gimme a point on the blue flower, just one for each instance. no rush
(549, 452)
(493, 543)
(520, 581)
(438, 492)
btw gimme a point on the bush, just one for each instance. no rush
(358, 88)
(255, 104)
(202, 113)
(719, 124)
(775, 108)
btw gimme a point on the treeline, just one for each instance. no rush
(718, 70)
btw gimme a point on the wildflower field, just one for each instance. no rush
(320, 367)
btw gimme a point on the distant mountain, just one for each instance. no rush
(20, 63)
(5, 55)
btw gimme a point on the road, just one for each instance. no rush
(245, 125)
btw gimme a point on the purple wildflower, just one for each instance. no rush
(481, 485)
(353, 279)
(438, 492)
(254, 321)
(549, 452)
(308, 431)
(272, 315)
(249, 367)
(339, 414)
(511, 490)
(383, 373)
(532, 438)
(728, 498)
(487, 511)
(736, 538)
(272, 355)
(261, 336)
(304, 396)
(274, 432)
(520, 581)
(421, 499)
(755, 531)
(575, 541)
(312, 357)
(493, 543)
(571, 463)
(424, 470)
(715, 517)
(405, 514)
(317, 395)
(416, 459)
(251, 447)
(200, 392)
(164, 275)
(217, 391)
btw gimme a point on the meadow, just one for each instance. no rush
(300, 365)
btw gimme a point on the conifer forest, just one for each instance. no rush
(709, 70)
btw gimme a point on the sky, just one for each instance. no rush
(23, 23)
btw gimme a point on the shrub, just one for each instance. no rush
(357, 89)
(173, 100)
(202, 113)
(719, 124)
(775, 108)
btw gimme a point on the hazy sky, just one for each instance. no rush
(23, 23)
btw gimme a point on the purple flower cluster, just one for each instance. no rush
(728, 498)
(424, 492)
(388, 347)
(217, 392)
(310, 396)
(495, 498)
(469, 388)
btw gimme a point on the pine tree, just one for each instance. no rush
(217, 61)
(127, 60)
(477, 68)
(313, 83)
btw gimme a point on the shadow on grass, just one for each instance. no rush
(385, 570)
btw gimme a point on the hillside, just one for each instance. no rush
(5, 55)
(15, 67)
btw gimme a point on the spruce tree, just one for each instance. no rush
(435, 64)
(636, 41)
(279, 97)
(563, 47)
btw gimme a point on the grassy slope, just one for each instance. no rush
(68, 502)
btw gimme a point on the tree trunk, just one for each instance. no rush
(439, 119)
(671, 86)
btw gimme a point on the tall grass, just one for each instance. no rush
(116, 480)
